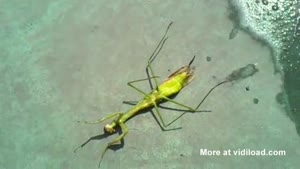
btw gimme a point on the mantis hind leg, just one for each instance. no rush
(162, 123)
(196, 109)
(189, 109)
(116, 140)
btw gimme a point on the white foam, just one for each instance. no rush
(272, 21)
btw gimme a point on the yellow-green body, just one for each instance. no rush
(171, 86)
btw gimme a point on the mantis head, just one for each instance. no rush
(109, 128)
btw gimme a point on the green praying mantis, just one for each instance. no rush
(161, 93)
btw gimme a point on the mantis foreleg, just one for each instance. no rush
(104, 118)
(119, 138)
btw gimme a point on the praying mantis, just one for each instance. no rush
(161, 93)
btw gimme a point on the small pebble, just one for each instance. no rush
(234, 32)
(247, 88)
(280, 98)
(255, 100)
(208, 58)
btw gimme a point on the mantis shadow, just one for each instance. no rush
(113, 147)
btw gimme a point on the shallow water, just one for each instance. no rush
(64, 61)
